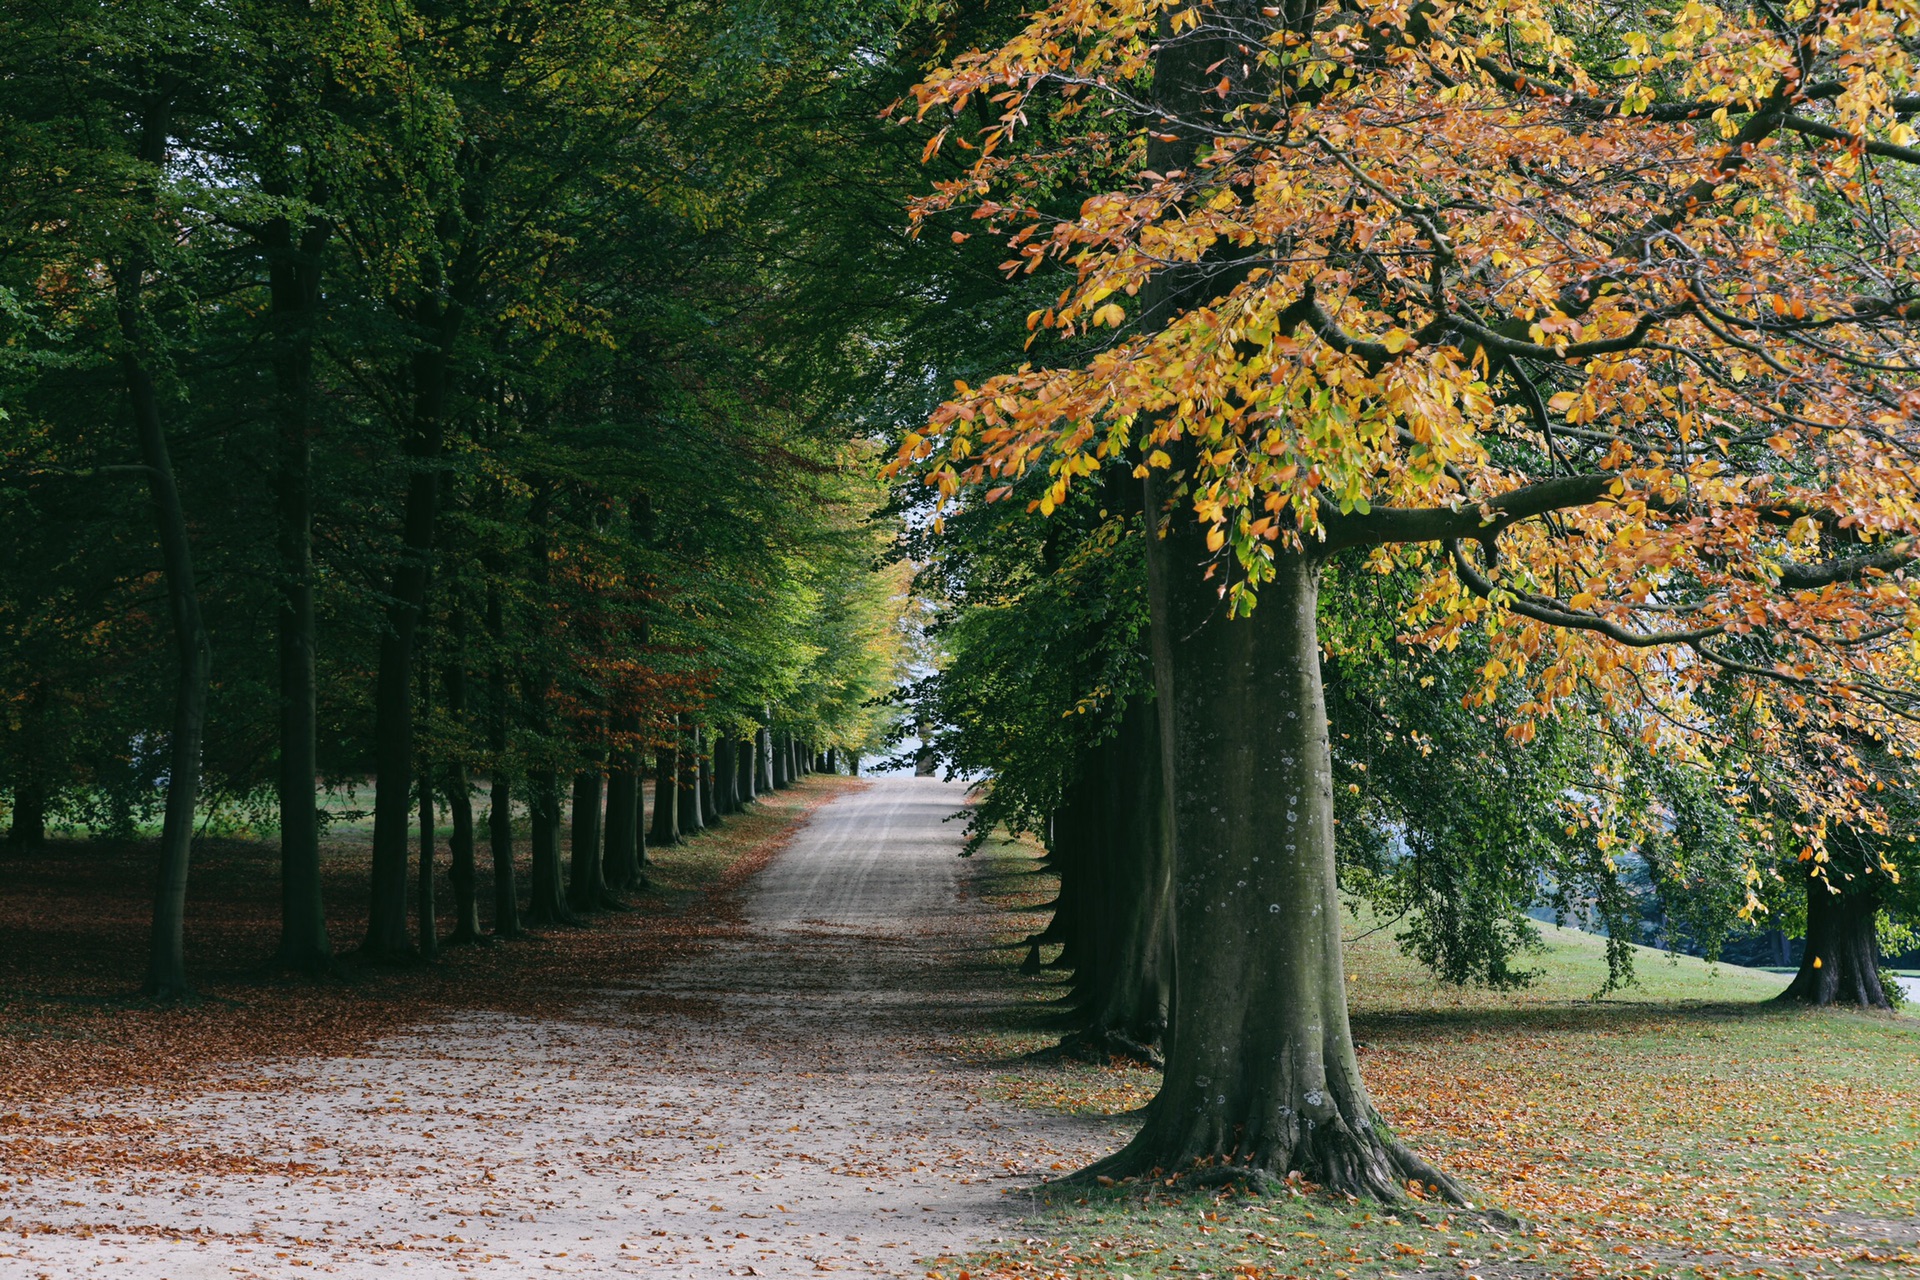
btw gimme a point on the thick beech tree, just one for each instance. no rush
(1607, 329)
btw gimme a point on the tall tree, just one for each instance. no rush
(1663, 410)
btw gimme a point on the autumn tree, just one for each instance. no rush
(1603, 329)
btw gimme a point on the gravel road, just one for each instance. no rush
(788, 1103)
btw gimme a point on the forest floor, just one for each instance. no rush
(1678, 1127)
(756, 1080)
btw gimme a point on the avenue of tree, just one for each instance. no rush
(1461, 457)
(432, 396)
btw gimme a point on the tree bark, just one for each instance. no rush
(462, 873)
(587, 886)
(506, 890)
(293, 288)
(782, 762)
(1261, 1074)
(620, 861)
(745, 755)
(709, 775)
(689, 778)
(548, 903)
(166, 963)
(429, 923)
(1112, 850)
(726, 798)
(763, 762)
(666, 797)
(1841, 962)
(393, 702)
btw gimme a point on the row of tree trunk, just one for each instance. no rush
(697, 785)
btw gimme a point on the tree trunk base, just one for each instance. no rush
(1842, 961)
(1389, 1173)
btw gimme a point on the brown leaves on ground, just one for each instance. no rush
(76, 917)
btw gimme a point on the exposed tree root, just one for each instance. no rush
(1254, 1179)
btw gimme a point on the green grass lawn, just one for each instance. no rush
(1680, 1126)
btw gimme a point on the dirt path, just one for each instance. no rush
(786, 1104)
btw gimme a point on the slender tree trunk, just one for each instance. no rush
(462, 874)
(666, 796)
(587, 887)
(294, 299)
(429, 922)
(853, 764)
(763, 762)
(166, 965)
(506, 890)
(709, 802)
(744, 774)
(548, 905)
(1261, 1073)
(1841, 962)
(689, 789)
(782, 763)
(393, 701)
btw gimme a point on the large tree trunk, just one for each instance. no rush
(548, 903)
(709, 802)
(1116, 893)
(689, 792)
(1261, 1075)
(587, 885)
(293, 273)
(782, 762)
(1841, 963)
(666, 797)
(393, 693)
(745, 756)
(166, 963)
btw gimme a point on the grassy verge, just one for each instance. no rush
(1677, 1128)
